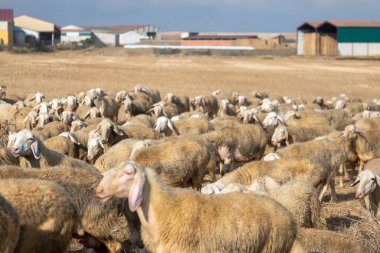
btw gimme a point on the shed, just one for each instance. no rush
(308, 38)
(131, 37)
(6, 27)
(350, 38)
(74, 34)
(29, 30)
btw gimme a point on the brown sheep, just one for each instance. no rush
(205, 104)
(178, 161)
(9, 226)
(47, 216)
(263, 224)
(97, 219)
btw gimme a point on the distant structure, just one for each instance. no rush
(339, 38)
(32, 31)
(120, 35)
(215, 40)
(6, 27)
(74, 34)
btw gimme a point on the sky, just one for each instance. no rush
(197, 15)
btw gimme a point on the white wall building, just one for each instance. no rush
(74, 34)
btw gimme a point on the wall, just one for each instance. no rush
(105, 39)
(207, 42)
(328, 44)
(358, 49)
(6, 34)
(69, 37)
(21, 33)
(130, 38)
(359, 34)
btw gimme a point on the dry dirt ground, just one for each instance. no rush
(63, 73)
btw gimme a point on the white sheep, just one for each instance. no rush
(180, 220)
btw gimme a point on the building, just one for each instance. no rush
(339, 38)
(32, 31)
(307, 38)
(74, 34)
(215, 40)
(6, 27)
(115, 35)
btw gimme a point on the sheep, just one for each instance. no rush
(50, 130)
(66, 145)
(72, 103)
(30, 120)
(226, 109)
(152, 93)
(97, 219)
(369, 188)
(6, 157)
(178, 161)
(138, 104)
(141, 119)
(166, 126)
(368, 124)
(47, 216)
(120, 96)
(322, 241)
(76, 125)
(108, 107)
(37, 97)
(67, 117)
(93, 113)
(193, 126)
(27, 145)
(297, 134)
(239, 144)
(297, 196)
(182, 102)
(271, 227)
(248, 116)
(9, 227)
(43, 119)
(205, 104)
(364, 143)
(119, 153)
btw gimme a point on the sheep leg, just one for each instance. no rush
(333, 192)
(324, 190)
(342, 170)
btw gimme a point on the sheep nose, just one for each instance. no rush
(14, 150)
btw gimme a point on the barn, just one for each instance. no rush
(339, 38)
(6, 27)
(74, 34)
(215, 40)
(350, 38)
(308, 38)
(32, 31)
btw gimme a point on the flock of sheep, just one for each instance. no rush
(258, 169)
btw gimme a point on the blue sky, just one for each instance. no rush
(197, 15)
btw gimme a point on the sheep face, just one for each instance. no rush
(368, 181)
(71, 103)
(289, 115)
(43, 119)
(32, 118)
(349, 133)
(272, 119)
(120, 96)
(19, 104)
(126, 180)
(105, 129)
(280, 135)
(170, 98)
(67, 117)
(25, 144)
(94, 147)
(77, 125)
(38, 97)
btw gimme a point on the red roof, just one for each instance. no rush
(6, 15)
(354, 23)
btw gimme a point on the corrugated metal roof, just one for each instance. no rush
(354, 23)
(6, 15)
(72, 28)
(34, 24)
(116, 28)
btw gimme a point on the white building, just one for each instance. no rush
(74, 34)
(130, 38)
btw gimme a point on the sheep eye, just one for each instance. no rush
(374, 179)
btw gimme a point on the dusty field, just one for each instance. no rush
(63, 73)
(71, 72)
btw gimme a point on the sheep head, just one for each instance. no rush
(368, 181)
(272, 119)
(43, 119)
(126, 180)
(25, 143)
(72, 103)
(94, 146)
(120, 96)
(77, 125)
(67, 117)
(280, 135)
(38, 97)
(162, 124)
(349, 133)
(105, 129)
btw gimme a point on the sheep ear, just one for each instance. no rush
(87, 115)
(35, 150)
(25, 119)
(117, 130)
(378, 179)
(136, 192)
(357, 180)
(33, 98)
(73, 139)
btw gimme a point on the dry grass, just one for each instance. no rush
(60, 73)
(63, 73)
